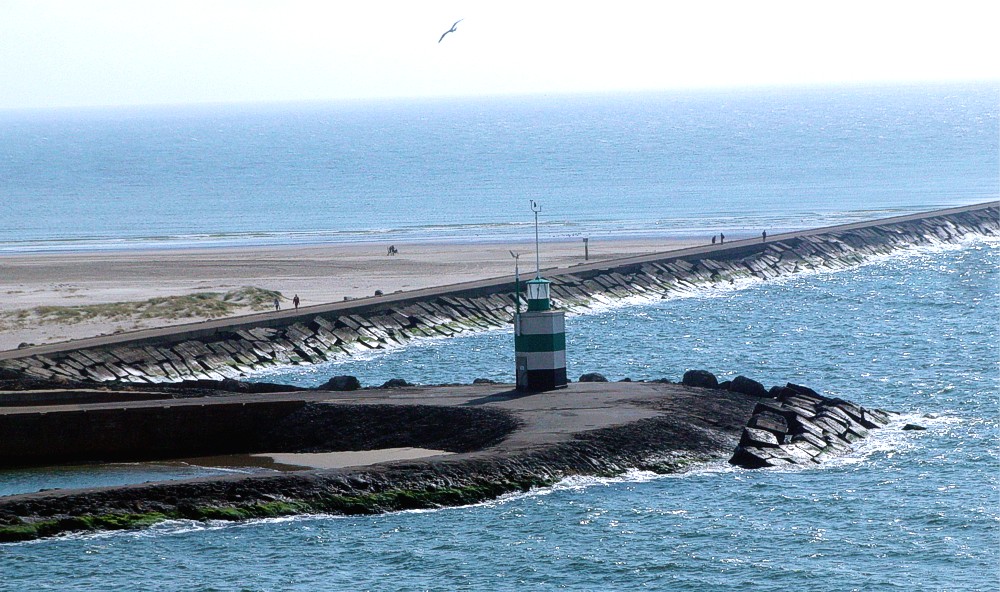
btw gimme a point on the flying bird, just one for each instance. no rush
(451, 30)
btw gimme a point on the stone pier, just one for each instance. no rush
(234, 347)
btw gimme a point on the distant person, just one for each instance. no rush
(763, 237)
(295, 301)
(722, 238)
(713, 239)
(277, 303)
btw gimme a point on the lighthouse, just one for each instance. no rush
(539, 334)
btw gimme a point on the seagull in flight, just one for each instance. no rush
(451, 30)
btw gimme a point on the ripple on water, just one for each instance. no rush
(905, 510)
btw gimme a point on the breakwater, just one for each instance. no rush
(234, 347)
(801, 426)
(145, 430)
(500, 441)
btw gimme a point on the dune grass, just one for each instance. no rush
(197, 305)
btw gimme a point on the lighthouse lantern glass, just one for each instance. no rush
(538, 290)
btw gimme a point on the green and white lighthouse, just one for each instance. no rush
(539, 334)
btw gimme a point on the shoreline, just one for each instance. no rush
(54, 297)
(526, 237)
(319, 274)
(252, 240)
(389, 287)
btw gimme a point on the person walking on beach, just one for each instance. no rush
(763, 237)
(713, 239)
(722, 238)
(277, 303)
(295, 301)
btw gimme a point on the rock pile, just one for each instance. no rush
(800, 426)
(792, 424)
(700, 378)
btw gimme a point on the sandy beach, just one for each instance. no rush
(30, 283)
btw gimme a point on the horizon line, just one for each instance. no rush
(389, 99)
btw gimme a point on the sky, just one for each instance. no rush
(141, 52)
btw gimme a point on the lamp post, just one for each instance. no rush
(538, 268)
(517, 286)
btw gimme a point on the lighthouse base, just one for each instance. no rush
(541, 380)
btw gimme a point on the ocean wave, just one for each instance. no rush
(457, 233)
(737, 226)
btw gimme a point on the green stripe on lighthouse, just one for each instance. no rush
(540, 343)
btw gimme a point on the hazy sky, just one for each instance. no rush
(92, 52)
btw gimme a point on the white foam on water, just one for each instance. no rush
(606, 304)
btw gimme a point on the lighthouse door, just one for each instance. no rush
(522, 372)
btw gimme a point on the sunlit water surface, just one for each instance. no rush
(907, 510)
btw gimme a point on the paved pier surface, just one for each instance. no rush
(203, 426)
(499, 441)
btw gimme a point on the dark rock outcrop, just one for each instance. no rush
(765, 419)
(753, 437)
(341, 383)
(747, 386)
(395, 383)
(593, 377)
(802, 427)
(700, 378)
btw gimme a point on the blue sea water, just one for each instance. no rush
(653, 164)
(907, 510)
(916, 332)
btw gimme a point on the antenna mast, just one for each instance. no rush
(538, 268)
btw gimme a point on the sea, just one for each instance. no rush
(915, 332)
